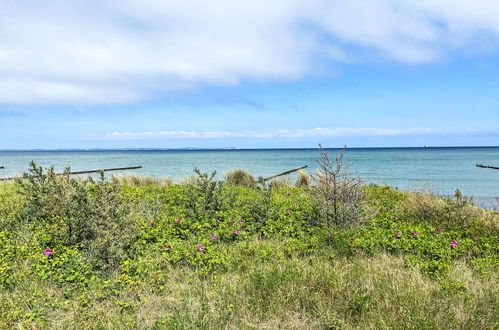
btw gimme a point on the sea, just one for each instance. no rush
(438, 170)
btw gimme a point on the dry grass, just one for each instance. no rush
(303, 179)
(423, 206)
(240, 177)
(315, 292)
(280, 183)
(131, 179)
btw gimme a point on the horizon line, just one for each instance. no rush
(234, 148)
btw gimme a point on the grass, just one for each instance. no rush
(210, 255)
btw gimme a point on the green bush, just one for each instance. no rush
(87, 211)
(92, 253)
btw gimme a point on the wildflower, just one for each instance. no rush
(203, 211)
(178, 220)
(398, 235)
(48, 252)
(290, 193)
(329, 234)
(415, 233)
(352, 239)
(454, 244)
(235, 232)
(151, 223)
(200, 248)
(438, 229)
(169, 247)
(218, 220)
(213, 237)
(241, 221)
(233, 222)
(394, 217)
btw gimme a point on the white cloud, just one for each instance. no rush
(100, 52)
(299, 133)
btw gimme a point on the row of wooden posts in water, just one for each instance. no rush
(137, 167)
(487, 166)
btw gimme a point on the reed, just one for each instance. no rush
(240, 177)
(303, 179)
(131, 179)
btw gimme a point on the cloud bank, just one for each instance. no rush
(299, 133)
(126, 51)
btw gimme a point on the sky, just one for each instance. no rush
(248, 74)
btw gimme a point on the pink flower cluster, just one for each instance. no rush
(454, 244)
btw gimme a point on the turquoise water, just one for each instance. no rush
(439, 170)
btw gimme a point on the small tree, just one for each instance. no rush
(338, 193)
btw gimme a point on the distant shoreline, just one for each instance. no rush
(237, 149)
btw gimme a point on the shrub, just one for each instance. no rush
(90, 212)
(339, 194)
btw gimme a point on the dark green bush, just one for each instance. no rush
(89, 212)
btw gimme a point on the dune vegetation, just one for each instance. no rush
(327, 253)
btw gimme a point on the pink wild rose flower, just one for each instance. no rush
(48, 252)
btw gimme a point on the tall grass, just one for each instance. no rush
(313, 292)
(303, 179)
(240, 177)
(131, 179)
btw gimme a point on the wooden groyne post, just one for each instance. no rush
(91, 171)
(285, 173)
(487, 166)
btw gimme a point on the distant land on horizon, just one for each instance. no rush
(230, 148)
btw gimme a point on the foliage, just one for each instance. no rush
(87, 212)
(86, 253)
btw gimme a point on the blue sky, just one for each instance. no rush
(249, 74)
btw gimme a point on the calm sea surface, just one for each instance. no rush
(439, 170)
